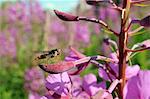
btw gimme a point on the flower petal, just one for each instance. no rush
(132, 71)
(131, 90)
(59, 83)
(138, 86)
(90, 84)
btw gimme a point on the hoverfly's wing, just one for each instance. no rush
(41, 51)
(39, 57)
(38, 53)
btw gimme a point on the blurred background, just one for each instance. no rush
(27, 26)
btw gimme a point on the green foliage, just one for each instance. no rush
(12, 82)
(142, 58)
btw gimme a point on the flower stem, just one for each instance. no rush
(138, 50)
(122, 45)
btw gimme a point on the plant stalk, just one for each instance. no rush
(122, 45)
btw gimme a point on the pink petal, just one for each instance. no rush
(82, 95)
(90, 84)
(131, 90)
(102, 94)
(102, 74)
(138, 87)
(78, 54)
(132, 71)
(144, 84)
(59, 83)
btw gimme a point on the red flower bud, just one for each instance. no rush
(95, 2)
(145, 21)
(58, 67)
(66, 16)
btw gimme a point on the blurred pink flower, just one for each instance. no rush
(16, 12)
(110, 14)
(52, 40)
(7, 45)
(34, 82)
(3, 44)
(138, 86)
(82, 33)
(13, 32)
(58, 27)
(37, 12)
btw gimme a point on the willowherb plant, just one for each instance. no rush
(126, 82)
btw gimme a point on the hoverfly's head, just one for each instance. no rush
(59, 51)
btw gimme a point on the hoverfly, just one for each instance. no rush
(50, 61)
(47, 56)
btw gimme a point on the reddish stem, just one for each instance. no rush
(122, 45)
(99, 22)
(138, 50)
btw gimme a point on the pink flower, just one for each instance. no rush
(90, 84)
(130, 70)
(59, 83)
(64, 86)
(58, 27)
(34, 80)
(76, 88)
(138, 86)
(73, 56)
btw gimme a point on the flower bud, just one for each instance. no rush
(145, 21)
(95, 2)
(58, 67)
(66, 16)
